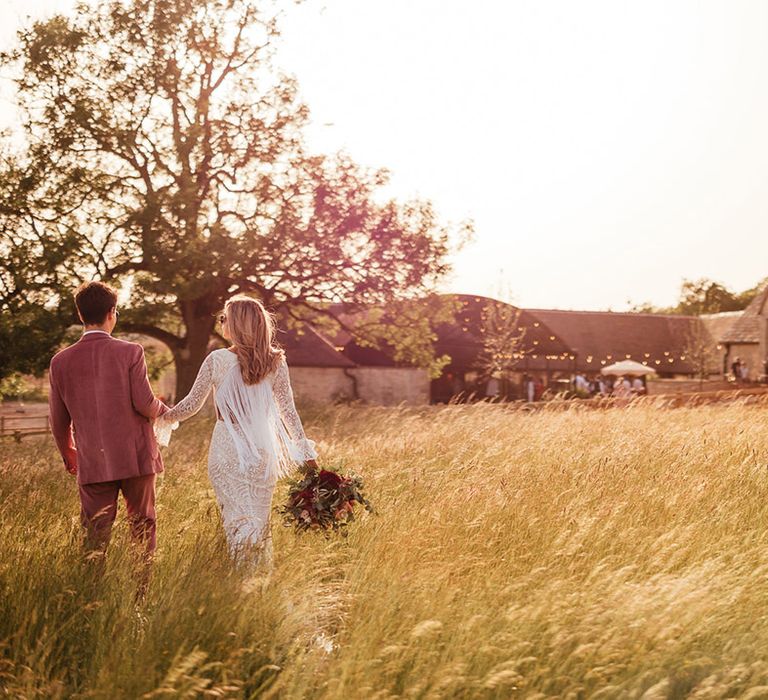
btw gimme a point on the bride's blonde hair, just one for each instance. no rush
(252, 329)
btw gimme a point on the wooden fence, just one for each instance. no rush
(18, 427)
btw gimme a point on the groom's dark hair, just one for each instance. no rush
(93, 301)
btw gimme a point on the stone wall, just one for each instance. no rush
(389, 386)
(685, 386)
(381, 386)
(320, 384)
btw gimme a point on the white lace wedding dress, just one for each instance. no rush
(252, 445)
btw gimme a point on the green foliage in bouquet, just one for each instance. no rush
(323, 500)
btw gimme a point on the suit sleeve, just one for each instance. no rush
(61, 424)
(144, 401)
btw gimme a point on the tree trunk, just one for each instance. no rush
(187, 360)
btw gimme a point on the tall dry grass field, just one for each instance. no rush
(564, 554)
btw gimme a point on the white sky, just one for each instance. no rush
(605, 150)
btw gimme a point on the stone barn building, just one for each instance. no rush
(541, 354)
(555, 345)
(747, 337)
(321, 372)
(600, 338)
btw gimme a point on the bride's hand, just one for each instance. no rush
(312, 464)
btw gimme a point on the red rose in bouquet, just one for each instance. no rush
(323, 500)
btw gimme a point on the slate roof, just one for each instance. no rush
(749, 327)
(719, 324)
(462, 340)
(305, 347)
(567, 340)
(600, 338)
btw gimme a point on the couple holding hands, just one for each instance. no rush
(107, 423)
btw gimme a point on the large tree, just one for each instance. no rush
(33, 267)
(163, 141)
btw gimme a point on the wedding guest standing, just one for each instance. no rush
(530, 388)
(580, 383)
(492, 388)
(622, 388)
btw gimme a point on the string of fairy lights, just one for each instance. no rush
(668, 357)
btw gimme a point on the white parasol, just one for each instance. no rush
(627, 367)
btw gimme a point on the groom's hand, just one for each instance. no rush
(70, 461)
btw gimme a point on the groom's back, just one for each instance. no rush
(100, 383)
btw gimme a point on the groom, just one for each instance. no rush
(101, 411)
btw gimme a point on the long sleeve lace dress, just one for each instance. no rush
(251, 445)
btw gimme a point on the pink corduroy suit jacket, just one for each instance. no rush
(101, 410)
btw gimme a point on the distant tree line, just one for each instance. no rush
(705, 296)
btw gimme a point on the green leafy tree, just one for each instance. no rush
(165, 153)
(402, 329)
(745, 298)
(704, 296)
(32, 270)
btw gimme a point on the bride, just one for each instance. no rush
(258, 433)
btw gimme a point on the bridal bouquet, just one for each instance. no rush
(323, 500)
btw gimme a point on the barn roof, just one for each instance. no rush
(566, 340)
(305, 347)
(599, 338)
(750, 325)
(463, 339)
(719, 324)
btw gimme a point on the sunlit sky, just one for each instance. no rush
(605, 150)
